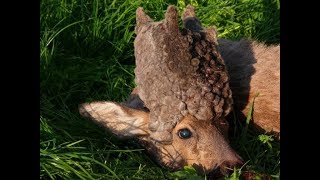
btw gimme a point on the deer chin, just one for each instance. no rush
(206, 149)
(194, 143)
(182, 98)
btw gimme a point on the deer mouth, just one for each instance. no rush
(224, 169)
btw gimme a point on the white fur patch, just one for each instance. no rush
(117, 118)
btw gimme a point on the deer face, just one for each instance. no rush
(194, 143)
(197, 144)
(185, 96)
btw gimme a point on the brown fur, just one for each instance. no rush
(255, 68)
(202, 153)
(165, 73)
(179, 72)
(206, 150)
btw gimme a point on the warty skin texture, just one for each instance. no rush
(243, 65)
(179, 72)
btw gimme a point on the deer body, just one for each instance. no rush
(183, 94)
(255, 68)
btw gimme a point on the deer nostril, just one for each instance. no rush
(228, 166)
(240, 161)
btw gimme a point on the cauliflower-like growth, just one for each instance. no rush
(179, 71)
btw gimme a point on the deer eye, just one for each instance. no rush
(184, 133)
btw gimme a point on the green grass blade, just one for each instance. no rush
(249, 115)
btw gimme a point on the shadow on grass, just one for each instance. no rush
(93, 61)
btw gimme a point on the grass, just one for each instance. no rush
(86, 53)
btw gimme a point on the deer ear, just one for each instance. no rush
(120, 120)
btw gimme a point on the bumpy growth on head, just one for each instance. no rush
(179, 72)
(177, 111)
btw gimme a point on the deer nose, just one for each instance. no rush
(228, 166)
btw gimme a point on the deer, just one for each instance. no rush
(188, 82)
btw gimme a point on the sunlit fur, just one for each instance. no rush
(252, 68)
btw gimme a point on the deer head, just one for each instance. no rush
(177, 111)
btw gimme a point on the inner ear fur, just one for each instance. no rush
(119, 119)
